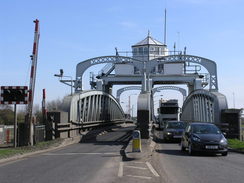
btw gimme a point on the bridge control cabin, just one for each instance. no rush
(168, 111)
(145, 50)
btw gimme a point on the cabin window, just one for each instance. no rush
(135, 51)
(141, 50)
(145, 50)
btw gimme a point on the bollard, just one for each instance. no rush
(136, 141)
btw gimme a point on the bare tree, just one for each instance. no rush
(6, 106)
(54, 104)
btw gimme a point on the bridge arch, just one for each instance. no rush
(204, 106)
(92, 107)
(154, 90)
(121, 90)
(181, 90)
(208, 64)
(84, 65)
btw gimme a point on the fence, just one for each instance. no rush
(39, 133)
(6, 135)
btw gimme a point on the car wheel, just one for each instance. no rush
(182, 147)
(225, 153)
(190, 151)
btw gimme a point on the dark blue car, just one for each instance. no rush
(204, 137)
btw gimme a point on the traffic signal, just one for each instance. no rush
(14, 95)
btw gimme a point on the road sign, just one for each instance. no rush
(14, 95)
(136, 141)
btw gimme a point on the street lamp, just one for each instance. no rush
(154, 101)
(60, 75)
(130, 109)
(125, 105)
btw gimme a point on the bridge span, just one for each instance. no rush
(151, 64)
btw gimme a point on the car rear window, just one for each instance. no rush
(176, 125)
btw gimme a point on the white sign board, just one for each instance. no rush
(174, 69)
(124, 69)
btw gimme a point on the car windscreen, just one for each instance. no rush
(205, 129)
(176, 125)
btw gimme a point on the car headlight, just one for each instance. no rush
(223, 141)
(169, 133)
(196, 139)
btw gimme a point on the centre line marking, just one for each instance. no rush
(137, 176)
(120, 173)
(141, 168)
(152, 169)
(70, 154)
(139, 162)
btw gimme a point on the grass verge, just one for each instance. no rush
(236, 144)
(8, 152)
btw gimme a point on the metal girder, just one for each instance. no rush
(204, 106)
(208, 64)
(149, 66)
(83, 66)
(156, 79)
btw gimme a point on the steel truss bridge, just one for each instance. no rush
(203, 103)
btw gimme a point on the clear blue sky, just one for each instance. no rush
(75, 30)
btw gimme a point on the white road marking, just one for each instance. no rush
(141, 168)
(70, 154)
(120, 173)
(152, 169)
(137, 176)
(138, 162)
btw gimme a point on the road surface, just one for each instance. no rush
(100, 160)
(178, 167)
(93, 160)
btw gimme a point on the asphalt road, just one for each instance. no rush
(93, 160)
(175, 166)
(99, 159)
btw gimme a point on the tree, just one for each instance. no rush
(54, 104)
(6, 117)
(7, 113)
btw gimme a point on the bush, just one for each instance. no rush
(236, 144)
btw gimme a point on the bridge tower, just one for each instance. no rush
(149, 49)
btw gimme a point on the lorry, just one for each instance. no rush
(168, 111)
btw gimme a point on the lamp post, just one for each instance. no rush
(60, 75)
(155, 100)
(71, 80)
(125, 105)
(130, 111)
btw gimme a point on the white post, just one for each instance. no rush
(15, 125)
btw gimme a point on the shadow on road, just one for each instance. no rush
(120, 136)
(172, 152)
(175, 152)
(112, 136)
